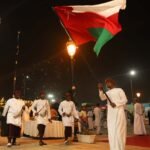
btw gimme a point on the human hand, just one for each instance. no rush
(113, 104)
(76, 120)
(68, 115)
(63, 114)
(36, 114)
(100, 86)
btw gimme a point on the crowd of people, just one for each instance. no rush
(75, 120)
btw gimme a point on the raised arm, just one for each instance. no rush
(6, 108)
(60, 109)
(101, 93)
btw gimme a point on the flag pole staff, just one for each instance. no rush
(70, 38)
(16, 61)
(106, 96)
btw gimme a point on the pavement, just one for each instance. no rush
(101, 143)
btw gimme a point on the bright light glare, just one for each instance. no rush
(53, 100)
(71, 48)
(138, 94)
(132, 72)
(27, 77)
(50, 95)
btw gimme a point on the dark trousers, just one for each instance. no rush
(13, 133)
(41, 129)
(68, 132)
(76, 131)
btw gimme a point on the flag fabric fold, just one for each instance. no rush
(97, 23)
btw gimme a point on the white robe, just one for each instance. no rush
(90, 119)
(139, 126)
(97, 122)
(43, 108)
(69, 108)
(13, 109)
(116, 119)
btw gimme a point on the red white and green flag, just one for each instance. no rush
(97, 23)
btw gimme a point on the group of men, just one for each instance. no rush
(13, 111)
(116, 118)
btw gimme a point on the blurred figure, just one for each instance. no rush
(83, 118)
(41, 110)
(68, 112)
(13, 111)
(139, 126)
(97, 121)
(116, 118)
(25, 116)
(54, 113)
(90, 118)
(76, 126)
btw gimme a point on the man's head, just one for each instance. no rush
(110, 83)
(17, 94)
(42, 95)
(136, 100)
(68, 96)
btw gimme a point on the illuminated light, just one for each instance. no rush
(71, 48)
(73, 87)
(50, 95)
(53, 100)
(132, 72)
(138, 94)
(27, 77)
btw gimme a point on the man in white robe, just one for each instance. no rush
(41, 111)
(68, 112)
(97, 121)
(139, 126)
(90, 119)
(13, 110)
(116, 119)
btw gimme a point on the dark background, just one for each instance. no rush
(43, 56)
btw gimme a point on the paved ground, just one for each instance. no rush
(57, 144)
(31, 144)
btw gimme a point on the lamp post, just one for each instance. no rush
(132, 73)
(138, 94)
(25, 78)
(71, 49)
(16, 61)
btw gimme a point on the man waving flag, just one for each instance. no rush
(97, 23)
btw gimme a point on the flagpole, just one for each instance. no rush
(70, 38)
(16, 61)
(107, 96)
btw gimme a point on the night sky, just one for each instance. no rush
(43, 56)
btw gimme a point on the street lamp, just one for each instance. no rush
(71, 49)
(16, 61)
(25, 78)
(138, 94)
(50, 96)
(132, 73)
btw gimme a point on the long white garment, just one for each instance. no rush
(13, 109)
(69, 108)
(90, 119)
(97, 122)
(42, 107)
(25, 118)
(116, 119)
(25, 115)
(139, 126)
